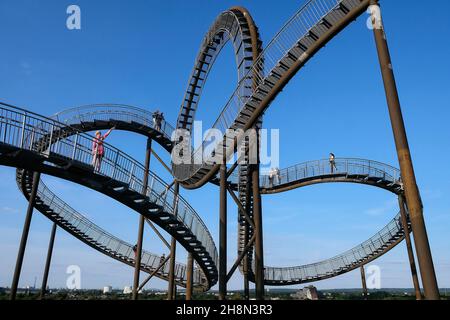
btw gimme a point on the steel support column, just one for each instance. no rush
(257, 219)
(175, 289)
(409, 248)
(48, 262)
(247, 238)
(26, 230)
(364, 285)
(173, 248)
(223, 233)
(189, 277)
(137, 265)
(246, 267)
(412, 195)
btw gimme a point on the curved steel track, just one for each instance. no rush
(309, 30)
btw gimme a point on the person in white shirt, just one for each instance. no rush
(271, 177)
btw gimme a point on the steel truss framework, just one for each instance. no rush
(59, 146)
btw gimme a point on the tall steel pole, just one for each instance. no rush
(412, 195)
(48, 262)
(223, 233)
(247, 238)
(189, 276)
(173, 249)
(409, 248)
(25, 232)
(137, 265)
(257, 219)
(245, 267)
(364, 285)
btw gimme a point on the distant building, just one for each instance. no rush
(107, 289)
(127, 290)
(307, 293)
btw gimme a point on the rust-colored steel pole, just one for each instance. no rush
(189, 277)
(257, 219)
(138, 257)
(48, 262)
(223, 233)
(175, 289)
(173, 248)
(245, 268)
(25, 232)
(364, 284)
(409, 248)
(280, 84)
(412, 195)
(246, 260)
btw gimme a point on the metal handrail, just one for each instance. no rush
(76, 115)
(339, 263)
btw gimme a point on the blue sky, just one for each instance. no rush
(141, 53)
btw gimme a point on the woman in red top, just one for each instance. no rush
(97, 149)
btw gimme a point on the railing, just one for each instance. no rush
(326, 168)
(30, 131)
(104, 240)
(339, 263)
(239, 49)
(318, 168)
(116, 112)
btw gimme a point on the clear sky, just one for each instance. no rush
(142, 52)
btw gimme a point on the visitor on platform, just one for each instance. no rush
(271, 176)
(277, 175)
(333, 162)
(158, 118)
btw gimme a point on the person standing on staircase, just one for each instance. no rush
(135, 247)
(277, 175)
(158, 118)
(271, 177)
(162, 260)
(98, 151)
(155, 117)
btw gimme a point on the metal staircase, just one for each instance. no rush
(348, 170)
(235, 26)
(80, 227)
(37, 143)
(373, 248)
(316, 23)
